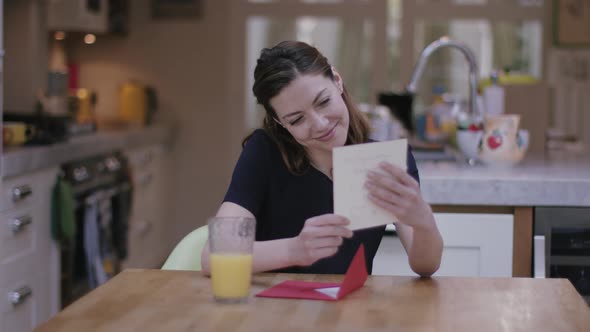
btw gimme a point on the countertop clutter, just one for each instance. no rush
(559, 178)
(20, 160)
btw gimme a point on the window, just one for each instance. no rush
(375, 43)
(503, 34)
(344, 31)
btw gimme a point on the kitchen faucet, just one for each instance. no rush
(400, 104)
(412, 87)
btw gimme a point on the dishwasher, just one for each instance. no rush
(562, 246)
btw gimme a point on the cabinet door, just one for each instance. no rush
(20, 316)
(140, 227)
(22, 295)
(474, 245)
(148, 236)
(1, 71)
(155, 211)
(30, 257)
(47, 251)
(17, 233)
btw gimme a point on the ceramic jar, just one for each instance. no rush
(502, 142)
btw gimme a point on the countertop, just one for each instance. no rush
(157, 300)
(21, 160)
(556, 179)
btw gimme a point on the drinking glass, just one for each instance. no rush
(231, 240)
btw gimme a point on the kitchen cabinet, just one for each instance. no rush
(25, 62)
(149, 243)
(1, 71)
(29, 258)
(475, 244)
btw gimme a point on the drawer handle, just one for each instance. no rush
(539, 256)
(21, 192)
(18, 224)
(19, 296)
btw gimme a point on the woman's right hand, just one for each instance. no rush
(320, 238)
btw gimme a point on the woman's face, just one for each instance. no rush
(312, 109)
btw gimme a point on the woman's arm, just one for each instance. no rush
(423, 246)
(321, 236)
(394, 190)
(268, 255)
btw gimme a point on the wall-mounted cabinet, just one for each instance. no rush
(73, 15)
(88, 16)
(25, 58)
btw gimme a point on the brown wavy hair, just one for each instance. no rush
(276, 68)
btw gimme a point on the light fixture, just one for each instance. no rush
(89, 39)
(59, 35)
(82, 93)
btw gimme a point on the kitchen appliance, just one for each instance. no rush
(562, 246)
(133, 103)
(78, 15)
(100, 188)
(400, 105)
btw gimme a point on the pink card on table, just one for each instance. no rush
(355, 278)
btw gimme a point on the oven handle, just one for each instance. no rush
(539, 256)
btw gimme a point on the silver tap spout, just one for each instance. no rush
(412, 87)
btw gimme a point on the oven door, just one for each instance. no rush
(562, 246)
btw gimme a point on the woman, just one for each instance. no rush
(283, 177)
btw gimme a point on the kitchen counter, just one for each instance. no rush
(16, 161)
(559, 179)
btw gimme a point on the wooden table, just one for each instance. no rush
(154, 300)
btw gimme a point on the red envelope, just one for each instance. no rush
(355, 278)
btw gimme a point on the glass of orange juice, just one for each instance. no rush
(231, 240)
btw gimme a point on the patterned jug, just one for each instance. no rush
(502, 142)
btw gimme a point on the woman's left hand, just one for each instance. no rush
(394, 190)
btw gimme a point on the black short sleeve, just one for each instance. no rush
(249, 183)
(412, 168)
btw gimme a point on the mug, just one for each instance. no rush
(16, 133)
(503, 143)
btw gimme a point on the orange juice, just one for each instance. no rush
(230, 275)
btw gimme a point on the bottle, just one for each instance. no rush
(437, 111)
(57, 81)
(378, 120)
(493, 96)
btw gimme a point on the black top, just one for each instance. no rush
(282, 202)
